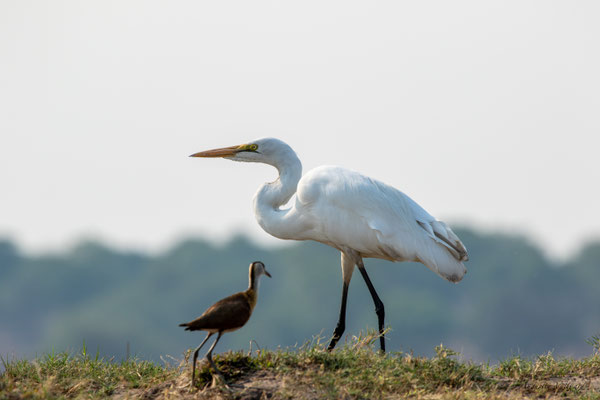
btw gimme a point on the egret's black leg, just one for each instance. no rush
(379, 310)
(209, 354)
(196, 357)
(341, 325)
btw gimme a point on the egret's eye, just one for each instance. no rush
(253, 147)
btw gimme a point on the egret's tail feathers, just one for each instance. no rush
(446, 257)
(444, 264)
(441, 233)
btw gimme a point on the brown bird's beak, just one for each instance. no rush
(222, 152)
(267, 274)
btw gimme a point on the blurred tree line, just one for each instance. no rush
(512, 301)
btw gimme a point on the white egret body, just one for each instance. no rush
(359, 216)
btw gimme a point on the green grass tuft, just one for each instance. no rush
(355, 371)
(65, 375)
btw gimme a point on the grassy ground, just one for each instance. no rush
(353, 371)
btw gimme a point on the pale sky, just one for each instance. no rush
(485, 113)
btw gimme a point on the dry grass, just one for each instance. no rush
(353, 371)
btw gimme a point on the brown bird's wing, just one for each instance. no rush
(227, 314)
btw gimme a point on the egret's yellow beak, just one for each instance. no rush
(222, 152)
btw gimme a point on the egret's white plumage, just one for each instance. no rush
(353, 213)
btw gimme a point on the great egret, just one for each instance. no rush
(358, 215)
(227, 315)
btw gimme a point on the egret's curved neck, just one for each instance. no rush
(271, 196)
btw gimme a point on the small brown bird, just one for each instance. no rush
(227, 315)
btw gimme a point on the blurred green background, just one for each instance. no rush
(513, 300)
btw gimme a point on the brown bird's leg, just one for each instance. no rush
(196, 357)
(209, 354)
(379, 310)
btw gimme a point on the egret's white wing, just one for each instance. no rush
(377, 220)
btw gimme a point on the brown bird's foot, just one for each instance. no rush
(217, 377)
(218, 380)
